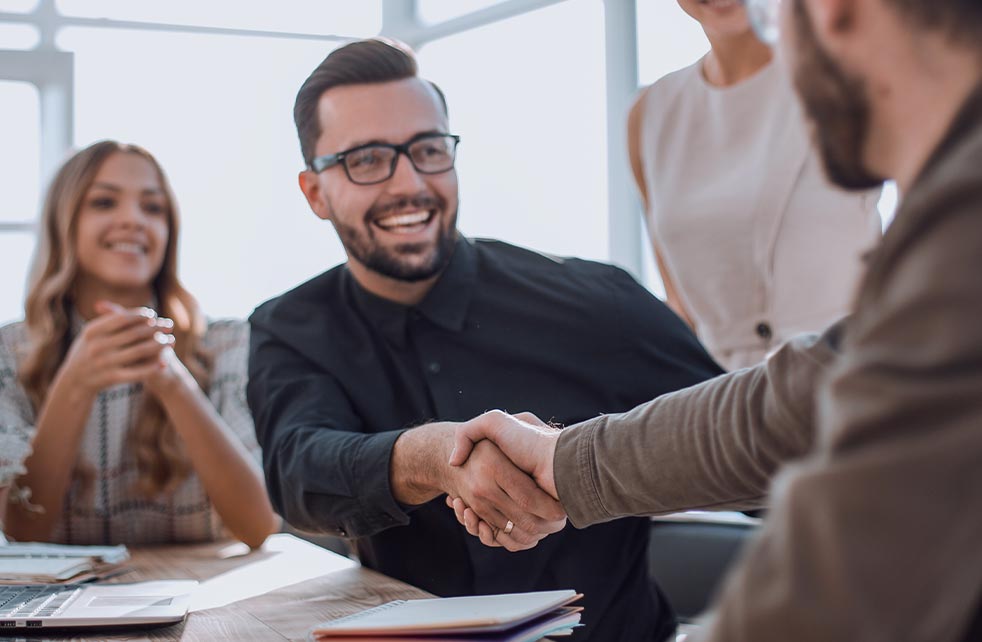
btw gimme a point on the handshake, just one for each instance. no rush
(509, 498)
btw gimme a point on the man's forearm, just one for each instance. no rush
(713, 446)
(419, 459)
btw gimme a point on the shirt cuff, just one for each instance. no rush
(575, 472)
(379, 508)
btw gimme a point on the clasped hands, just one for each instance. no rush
(123, 345)
(530, 444)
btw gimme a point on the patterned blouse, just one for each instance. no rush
(111, 511)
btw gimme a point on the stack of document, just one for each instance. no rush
(513, 617)
(38, 563)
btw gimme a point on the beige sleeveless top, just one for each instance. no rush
(759, 245)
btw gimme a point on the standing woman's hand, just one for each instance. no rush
(119, 346)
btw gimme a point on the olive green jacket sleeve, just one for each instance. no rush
(714, 446)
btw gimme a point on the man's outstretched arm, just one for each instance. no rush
(713, 446)
(325, 475)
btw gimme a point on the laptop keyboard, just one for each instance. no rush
(33, 601)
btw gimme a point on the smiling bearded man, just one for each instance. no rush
(423, 325)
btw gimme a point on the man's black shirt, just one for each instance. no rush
(336, 374)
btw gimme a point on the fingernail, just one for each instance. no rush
(452, 453)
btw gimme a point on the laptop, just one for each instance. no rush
(81, 606)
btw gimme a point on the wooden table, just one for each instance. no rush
(276, 593)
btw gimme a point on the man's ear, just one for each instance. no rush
(831, 18)
(311, 188)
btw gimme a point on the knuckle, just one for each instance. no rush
(524, 502)
(527, 525)
(480, 507)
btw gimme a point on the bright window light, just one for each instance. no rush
(219, 117)
(18, 36)
(18, 6)
(668, 39)
(434, 11)
(532, 117)
(889, 200)
(20, 163)
(361, 18)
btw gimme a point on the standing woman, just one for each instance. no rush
(122, 410)
(737, 204)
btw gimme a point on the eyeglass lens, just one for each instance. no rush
(375, 163)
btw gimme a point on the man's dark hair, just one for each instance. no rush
(959, 19)
(358, 63)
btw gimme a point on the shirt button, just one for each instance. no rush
(764, 331)
(433, 367)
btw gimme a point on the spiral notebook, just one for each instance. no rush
(514, 616)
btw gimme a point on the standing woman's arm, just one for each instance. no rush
(634, 142)
(230, 475)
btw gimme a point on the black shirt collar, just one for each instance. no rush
(445, 304)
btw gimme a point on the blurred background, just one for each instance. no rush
(538, 91)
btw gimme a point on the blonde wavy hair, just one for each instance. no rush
(162, 464)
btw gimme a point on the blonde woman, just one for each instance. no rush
(122, 410)
(752, 241)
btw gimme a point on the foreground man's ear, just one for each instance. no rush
(311, 188)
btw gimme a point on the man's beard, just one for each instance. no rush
(837, 106)
(395, 262)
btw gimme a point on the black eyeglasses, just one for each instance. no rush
(376, 162)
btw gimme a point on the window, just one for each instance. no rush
(208, 88)
(668, 39)
(324, 17)
(221, 124)
(433, 11)
(18, 6)
(531, 115)
(14, 35)
(20, 165)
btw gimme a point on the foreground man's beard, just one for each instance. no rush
(836, 103)
(392, 262)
